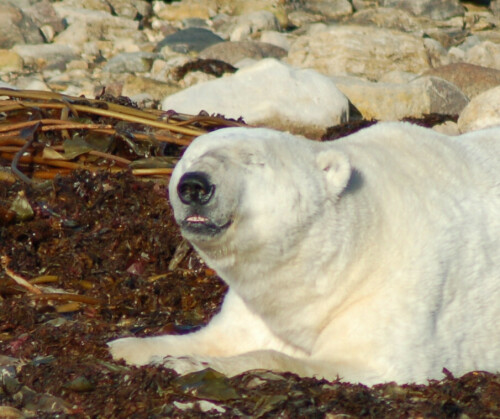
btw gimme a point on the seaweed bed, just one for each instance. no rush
(104, 258)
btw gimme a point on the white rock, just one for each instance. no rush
(268, 93)
(329, 9)
(486, 54)
(435, 9)
(483, 111)
(42, 55)
(438, 56)
(253, 22)
(359, 51)
(398, 77)
(391, 101)
(72, 15)
(278, 39)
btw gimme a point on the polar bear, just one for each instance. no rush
(372, 258)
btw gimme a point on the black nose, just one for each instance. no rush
(195, 188)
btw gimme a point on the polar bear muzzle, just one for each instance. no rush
(194, 188)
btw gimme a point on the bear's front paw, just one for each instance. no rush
(183, 364)
(135, 351)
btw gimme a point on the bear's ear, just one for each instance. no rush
(336, 168)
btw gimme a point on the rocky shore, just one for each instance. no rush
(290, 64)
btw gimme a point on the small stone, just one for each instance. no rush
(495, 7)
(10, 61)
(9, 412)
(253, 23)
(100, 5)
(136, 85)
(46, 55)
(191, 39)
(398, 77)
(483, 111)
(233, 52)
(329, 9)
(16, 27)
(137, 9)
(130, 62)
(435, 9)
(177, 11)
(278, 39)
(385, 17)
(241, 7)
(438, 56)
(486, 54)
(34, 82)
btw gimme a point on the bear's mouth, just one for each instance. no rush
(201, 225)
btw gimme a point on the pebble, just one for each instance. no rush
(190, 39)
(130, 62)
(299, 62)
(235, 52)
(252, 23)
(435, 9)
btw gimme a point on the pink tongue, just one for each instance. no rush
(196, 219)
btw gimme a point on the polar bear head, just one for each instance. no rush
(250, 191)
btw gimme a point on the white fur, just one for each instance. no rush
(375, 257)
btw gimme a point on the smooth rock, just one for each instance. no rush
(252, 23)
(34, 82)
(134, 86)
(10, 61)
(329, 9)
(190, 39)
(185, 9)
(486, 54)
(16, 27)
(360, 51)
(495, 7)
(137, 9)
(114, 34)
(43, 14)
(271, 94)
(438, 56)
(240, 7)
(130, 62)
(471, 79)
(300, 18)
(386, 17)
(100, 5)
(46, 55)
(483, 111)
(278, 39)
(392, 102)
(435, 9)
(75, 14)
(398, 77)
(234, 52)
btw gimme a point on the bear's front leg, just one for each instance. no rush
(233, 331)
(255, 360)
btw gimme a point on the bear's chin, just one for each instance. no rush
(203, 230)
